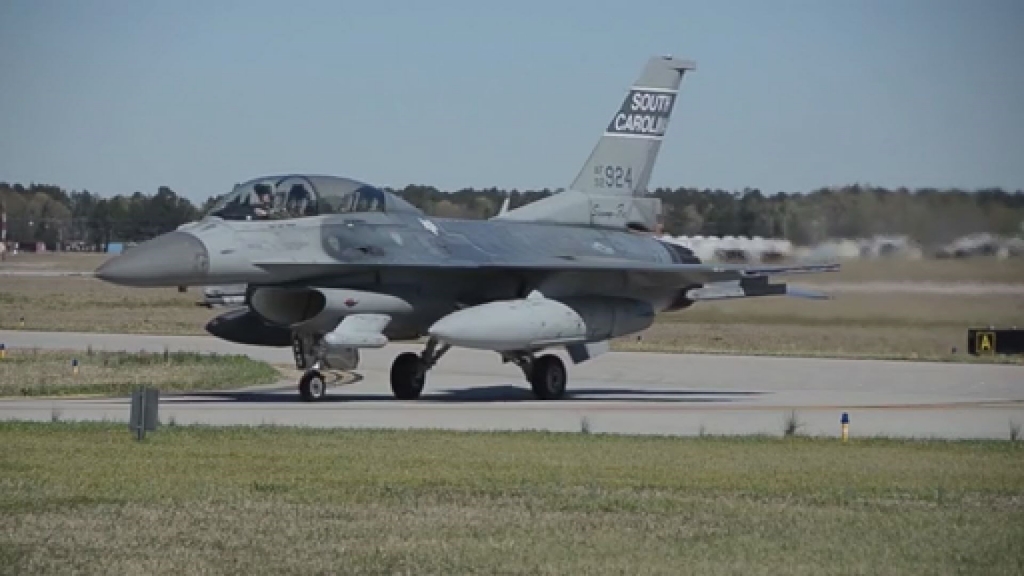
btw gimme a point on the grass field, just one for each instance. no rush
(39, 373)
(978, 270)
(88, 499)
(78, 304)
(854, 324)
(908, 326)
(72, 261)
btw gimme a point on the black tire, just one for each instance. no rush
(312, 386)
(407, 377)
(548, 377)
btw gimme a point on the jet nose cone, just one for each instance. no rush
(174, 259)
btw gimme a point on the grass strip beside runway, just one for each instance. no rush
(31, 372)
(86, 498)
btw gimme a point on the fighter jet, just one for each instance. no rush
(331, 265)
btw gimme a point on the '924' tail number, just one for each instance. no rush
(613, 177)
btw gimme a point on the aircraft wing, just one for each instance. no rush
(705, 281)
(668, 273)
(651, 274)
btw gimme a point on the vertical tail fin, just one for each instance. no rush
(621, 163)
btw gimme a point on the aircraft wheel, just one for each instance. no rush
(312, 386)
(547, 377)
(407, 376)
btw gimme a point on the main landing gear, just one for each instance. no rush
(546, 374)
(409, 370)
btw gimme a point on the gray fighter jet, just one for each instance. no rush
(331, 265)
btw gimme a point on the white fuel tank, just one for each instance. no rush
(509, 325)
(538, 322)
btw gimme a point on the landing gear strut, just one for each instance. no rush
(409, 371)
(546, 374)
(312, 385)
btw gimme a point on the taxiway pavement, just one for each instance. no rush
(620, 392)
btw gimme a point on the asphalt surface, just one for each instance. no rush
(636, 393)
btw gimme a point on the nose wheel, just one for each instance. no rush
(312, 386)
(409, 370)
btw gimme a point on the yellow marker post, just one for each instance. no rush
(845, 421)
(74, 366)
(985, 342)
(3, 351)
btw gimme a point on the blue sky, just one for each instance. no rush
(120, 95)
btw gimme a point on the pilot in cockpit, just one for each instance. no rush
(264, 201)
(299, 202)
(368, 200)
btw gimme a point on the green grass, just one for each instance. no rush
(85, 498)
(854, 342)
(44, 373)
(983, 270)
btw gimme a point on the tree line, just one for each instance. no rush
(49, 214)
(46, 213)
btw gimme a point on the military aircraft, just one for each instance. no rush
(332, 265)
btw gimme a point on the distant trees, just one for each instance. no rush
(927, 215)
(44, 213)
(41, 213)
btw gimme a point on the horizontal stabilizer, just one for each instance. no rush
(797, 292)
(750, 288)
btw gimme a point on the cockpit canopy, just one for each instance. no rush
(297, 196)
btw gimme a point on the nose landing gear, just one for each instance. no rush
(314, 357)
(312, 386)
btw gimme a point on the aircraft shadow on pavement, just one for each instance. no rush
(481, 394)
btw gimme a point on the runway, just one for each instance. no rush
(633, 393)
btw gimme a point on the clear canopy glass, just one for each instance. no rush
(297, 196)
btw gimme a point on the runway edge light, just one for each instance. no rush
(3, 351)
(845, 421)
